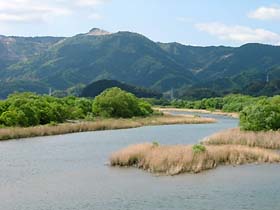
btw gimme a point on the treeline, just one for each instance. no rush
(28, 109)
(229, 103)
(256, 113)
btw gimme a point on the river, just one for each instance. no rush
(69, 172)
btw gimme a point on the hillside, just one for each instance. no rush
(124, 56)
(15, 49)
(37, 64)
(95, 88)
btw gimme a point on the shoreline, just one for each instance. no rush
(203, 111)
(14, 133)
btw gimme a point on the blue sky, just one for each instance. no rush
(192, 22)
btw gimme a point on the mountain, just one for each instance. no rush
(223, 70)
(40, 63)
(95, 88)
(97, 32)
(124, 56)
(15, 49)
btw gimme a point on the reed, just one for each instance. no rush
(263, 139)
(172, 160)
(98, 124)
(203, 111)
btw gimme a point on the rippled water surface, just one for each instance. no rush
(69, 172)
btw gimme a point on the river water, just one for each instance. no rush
(69, 172)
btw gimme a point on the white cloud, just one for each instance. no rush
(266, 13)
(240, 34)
(91, 3)
(29, 11)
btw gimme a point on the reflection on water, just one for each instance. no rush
(69, 172)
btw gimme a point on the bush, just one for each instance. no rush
(197, 148)
(115, 102)
(262, 116)
(155, 144)
(28, 109)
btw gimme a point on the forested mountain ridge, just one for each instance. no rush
(28, 64)
(96, 88)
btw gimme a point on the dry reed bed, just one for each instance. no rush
(172, 160)
(203, 111)
(99, 124)
(263, 139)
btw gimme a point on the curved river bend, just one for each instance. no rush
(68, 172)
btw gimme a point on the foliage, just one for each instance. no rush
(265, 115)
(256, 113)
(115, 102)
(197, 148)
(155, 144)
(27, 109)
(229, 103)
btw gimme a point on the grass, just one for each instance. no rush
(98, 124)
(172, 160)
(263, 139)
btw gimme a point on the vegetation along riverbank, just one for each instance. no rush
(230, 105)
(97, 125)
(29, 115)
(253, 142)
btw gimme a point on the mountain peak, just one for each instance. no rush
(97, 32)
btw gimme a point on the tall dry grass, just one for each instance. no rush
(174, 119)
(203, 111)
(172, 160)
(99, 124)
(47, 130)
(263, 139)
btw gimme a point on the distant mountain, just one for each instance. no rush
(15, 49)
(61, 63)
(95, 88)
(222, 70)
(124, 56)
(97, 32)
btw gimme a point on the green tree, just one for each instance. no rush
(115, 102)
(262, 116)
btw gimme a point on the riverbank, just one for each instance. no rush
(235, 136)
(99, 124)
(172, 160)
(203, 111)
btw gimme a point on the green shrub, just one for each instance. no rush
(115, 102)
(197, 148)
(261, 116)
(28, 109)
(155, 144)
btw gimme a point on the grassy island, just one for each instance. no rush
(172, 160)
(236, 136)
